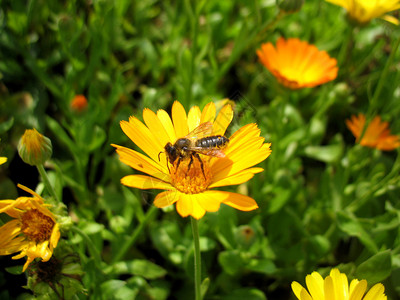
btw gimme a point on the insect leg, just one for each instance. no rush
(201, 163)
(190, 163)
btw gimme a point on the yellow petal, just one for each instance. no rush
(315, 285)
(209, 200)
(376, 292)
(223, 120)
(184, 206)
(180, 120)
(208, 113)
(3, 160)
(155, 126)
(340, 284)
(145, 182)
(235, 179)
(357, 291)
(167, 123)
(297, 287)
(142, 137)
(194, 116)
(238, 201)
(165, 199)
(233, 164)
(55, 236)
(142, 163)
(304, 295)
(329, 288)
(188, 205)
(391, 19)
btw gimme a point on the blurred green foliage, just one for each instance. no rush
(324, 201)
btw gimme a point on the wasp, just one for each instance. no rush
(198, 141)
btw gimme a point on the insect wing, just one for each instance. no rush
(204, 129)
(215, 152)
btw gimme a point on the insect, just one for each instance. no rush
(196, 142)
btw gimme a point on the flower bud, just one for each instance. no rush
(34, 148)
(79, 103)
(290, 6)
(245, 236)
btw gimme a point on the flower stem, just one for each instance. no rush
(128, 244)
(91, 246)
(197, 259)
(46, 182)
(382, 79)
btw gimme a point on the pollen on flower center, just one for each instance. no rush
(36, 225)
(191, 181)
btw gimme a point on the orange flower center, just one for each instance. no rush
(191, 180)
(36, 225)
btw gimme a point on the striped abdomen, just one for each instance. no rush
(209, 142)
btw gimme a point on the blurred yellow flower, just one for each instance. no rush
(335, 287)
(297, 64)
(187, 182)
(33, 230)
(364, 11)
(34, 148)
(376, 135)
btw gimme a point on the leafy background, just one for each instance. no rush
(324, 200)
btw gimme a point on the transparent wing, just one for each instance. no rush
(209, 152)
(204, 129)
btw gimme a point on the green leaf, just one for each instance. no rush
(60, 133)
(375, 269)
(246, 293)
(350, 224)
(98, 138)
(140, 267)
(231, 261)
(6, 125)
(16, 270)
(117, 289)
(265, 266)
(328, 154)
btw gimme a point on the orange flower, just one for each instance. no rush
(377, 135)
(188, 182)
(79, 103)
(296, 64)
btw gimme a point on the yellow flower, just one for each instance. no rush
(190, 186)
(33, 231)
(377, 135)
(336, 287)
(364, 11)
(296, 64)
(34, 148)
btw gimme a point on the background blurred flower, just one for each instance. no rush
(296, 64)
(33, 230)
(190, 188)
(364, 11)
(3, 160)
(335, 286)
(79, 103)
(34, 148)
(376, 135)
